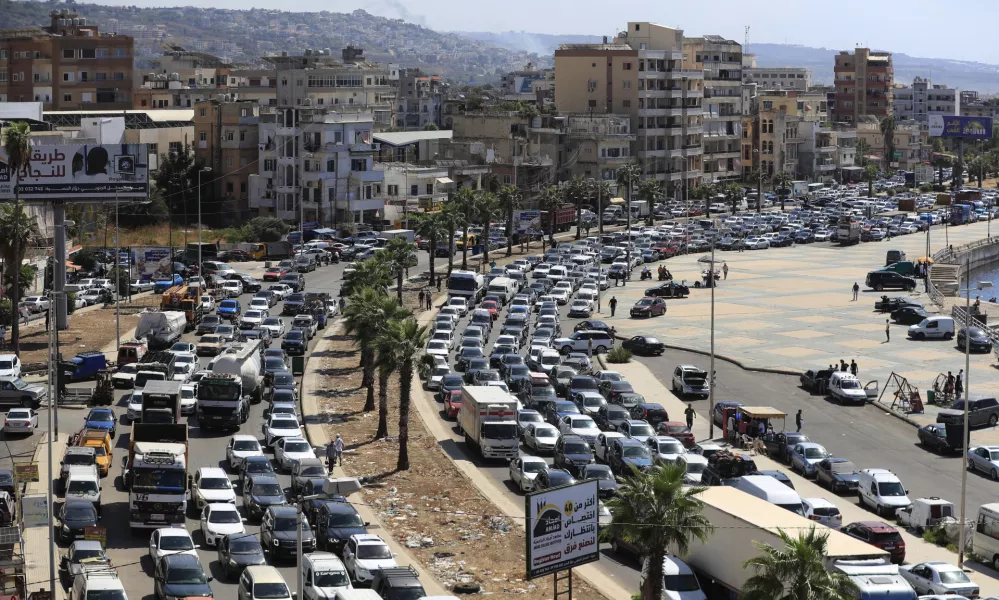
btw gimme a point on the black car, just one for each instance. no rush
(909, 315)
(590, 325)
(881, 280)
(518, 378)
(255, 465)
(572, 453)
(499, 353)
(238, 551)
(283, 380)
(550, 478)
(779, 476)
(814, 381)
(650, 412)
(838, 474)
(804, 236)
(261, 492)
(296, 281)
(250, 285)
(779, 444)
(335, 522)
(473, 366)
(180, 576)
(208, 324)
(610, 416)
(76, 516)
(669, 289)
(271, 366)
(934, 437)
(888, 305)
(279, 531)
(606, 484)
(293, 304)
(295, 342)
(612, 390)
(449, 383)
(7, 481)
(644, 344)
(466, 355)
(783, 240)
(978, 341)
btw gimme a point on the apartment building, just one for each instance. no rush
(419, 98)
(536, 86)
(974, 106)
(780, 134)
(923, 99)
(226, 139)
(912, 143)
(779, 78)
(598, 145)
(411, 187)
(641, 74)
(721, 61)
(69, 65)
(826, 150)
(864, 82)
(181, 79)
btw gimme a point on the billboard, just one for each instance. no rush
(561, 528)
(151, 263)
(79, 171)
(525, 221)
(973, 128)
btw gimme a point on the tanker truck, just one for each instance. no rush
(243, 360)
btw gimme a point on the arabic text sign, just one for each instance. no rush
(28, 472)
(34, 511)
(79, 171)
(561, 528)
(527, 220)
(975, 128)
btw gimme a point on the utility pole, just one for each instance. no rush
(117, 276)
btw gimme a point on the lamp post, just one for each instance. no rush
(711, 368)
(203, 170)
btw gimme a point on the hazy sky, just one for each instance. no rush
(959, 29)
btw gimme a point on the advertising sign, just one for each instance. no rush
(527, 221)
(152, 262)
(28, 472)
(561, 528)
(96, 534)
(79, 171)
(34, 511)
(973, 128)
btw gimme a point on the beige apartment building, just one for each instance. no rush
(864, 82)
(779, 134)
(721, 61)
(640, 74)
(598, 145)
(227, 141)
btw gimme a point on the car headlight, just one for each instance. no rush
(66, 529)
(232, 562)
(277, 542)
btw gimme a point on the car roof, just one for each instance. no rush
(212, 472)
(282, 510)
(876, 526)
(818, 502)
(174, 532)
(367, 538)
(264, 574)
(182, 560)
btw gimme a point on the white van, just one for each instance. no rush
(768, 488)
(357, 594)
(882, 491)
(933, 328)
(84, 483)
(558, 273)
(581, 261)
(845, 388)
(986, 540)
(324, 575)
(504, 287)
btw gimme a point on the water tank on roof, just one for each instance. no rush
(76, 21)
(308, 52)
(284, 53)
(83, 21)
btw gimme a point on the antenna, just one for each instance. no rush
(745, 41)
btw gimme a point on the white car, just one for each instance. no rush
(823, 511)
(140, 285)
(524, 470)
(134, 413)
(211, 484)
(459, 303)
(705, 449)
(757, 243)
(274, 325)
(289, 450)
(604, 441)
(260, 304)
(280, 426)
(665, 448)
(579, 425)
(124, 377)
(239, 448)
(20, 420)
(10, 366)
(364, 554)
(170, 540)
(281, 290)
(541, 437)
(695, 465)
(438, 348)
(581, 309)
(561, 296)
(36, 304)
(252, 318)
(183, 372)
(208, 303)
(444, 336)
(183, 348)
(233, 288)
(220, 520)
(188, 396)
(451, 312)
(938, 577)
(437, 374)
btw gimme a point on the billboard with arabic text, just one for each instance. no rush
(972, 128)
(562, 528)
(79, 171)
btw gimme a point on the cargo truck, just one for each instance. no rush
(271, 250)
(960, 214)
(243, 360)
(741, 520)
(161, 402)
(561, 218)
(155, 475)
(154, 366)
(487, 420)
(848, 230)
(407, 234)
(160, 329)
(220, 402)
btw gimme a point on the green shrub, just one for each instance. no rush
(70, 303)
(5, 312)
(618, 355)
(266, 229)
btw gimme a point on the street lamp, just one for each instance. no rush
(203, 170)
(711, 367)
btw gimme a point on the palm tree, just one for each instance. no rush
(941, 163)
(451, 216)
(734, 193)
(627, 175)
(431, 226)
(796, 571)
(656, 512)
(870, 175)
(548, 201)
(649, 190)
(487, 206)
(465, 200)
(369, 273)
(888, 126)
(976, 166)
(390, 313)
(756, 177)
(406, 338)
(782, 181)
(510, 200)
(602, 189)
(400, 254)
(362, 316)
(18, 231)
(576, 192)
(863, 148)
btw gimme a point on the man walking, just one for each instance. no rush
(798, 420)
(47, 311)
(856, 291)
(959, 385)
(423, 302)
(724, 270)
(430, 300)
(690, 414)
(853, 367)
(887, 331)
(613, 304)
(330, 454)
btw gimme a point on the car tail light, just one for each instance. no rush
(814, 518)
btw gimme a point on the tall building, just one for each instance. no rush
(922, 99)
(227, 140)
(721, 61)
(864, 82)
(779, 78)
(780, 134)
(419, 98)
(640, 73)
(598, 145)
(69, 65)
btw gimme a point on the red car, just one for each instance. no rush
(493, 307)
(678, 430)
(452, 403)
(275, 273)
(648, 307)
(880, 535)
(666, 250)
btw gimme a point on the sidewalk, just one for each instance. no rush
(917, 550)
(37, 540)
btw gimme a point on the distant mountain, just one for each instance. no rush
(542, 44)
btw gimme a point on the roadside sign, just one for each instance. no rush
(28, 472)
(561, 528)
(96, 534)
(34, 511)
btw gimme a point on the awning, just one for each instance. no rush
(853, 168)
(617, 200)
(761, 412)
(72, 267)
(444, 180)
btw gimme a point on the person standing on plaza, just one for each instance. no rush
(798, 420)
(959, 385)
(724, 271)
(690, 414)
(856, 291)
(887, 331)
(423, 302)
(613, 304)
(853, 367)
(330, 454)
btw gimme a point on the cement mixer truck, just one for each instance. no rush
(243, 360)
(160, 329)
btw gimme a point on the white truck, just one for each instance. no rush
(160, 329)
(741, 520)
(243, 361)
(487, 418)
(407, 234)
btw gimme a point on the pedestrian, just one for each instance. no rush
(438, 284)
(690, 414)
(589, 347)
(856, 291)
(330, 455)
(887, 331)
(47, 319)
(730, 430)
(343, 303)
(959, 385)
(798, 420)
(430, 300)
(853, 367)
(24, 314)
(613, 304)
(3, 335)
(422, 301)
(724, 271)
(949, 384)
(338, 449)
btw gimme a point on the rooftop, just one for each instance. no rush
(404, 138)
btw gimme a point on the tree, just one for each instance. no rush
(649, 190)
(656, 512)
(362, 317)
(870, 175)
(23, 279)
(451, 215)
(266, 229)
(85, 259)
(888, 125)
(465, 200)
(976, 168)
(733, 191)
(627, 175)
(863, 149)
(431, 227)
(601, 189)
(406, 339)
(369, 273)
(390, 313)
(17, 230)
(487, 207)
(575, 192)
(510, 200)
(548, 202)
(430, 126)
(782, 183)
(756, 177)
(942, 162)
(796, 571)
(400, 254)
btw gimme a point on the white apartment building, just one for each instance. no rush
(922, 99)
(409, 187)
(721, 61)
(779, 78)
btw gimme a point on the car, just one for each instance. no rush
(211, 485)
(580, 309)
(822, 511)
(279, 531)
(20, 420)
(610, 416)
(170, 540)
(219, 520)
(103, 419)
(239, 448)
(604, 441)
(452, 403)
(541, 437)
(260, 492)
(816, 381)
(590, 325)
(584, 341)
(881, 280)
(805, 456)
(644, 344)
(237, 552)
(613, 390)
(254, 465)
(524, 470)
(978, 340)
(721, 407)
(665, 449)
(938, 577)
(84, 552)
(910, 315)
(984, 459)
(364, 554)
(76, 516)
(295, 342)
(933, 437)
(668, 290)
(209, 345)
(36, 304)
(137, 286)
(649, 307)
(182, 348)
(229, 308)
(307, 323)
(280, 426)
(677, 430)
(627, 454)
(551, 478)
(580, 426)
(289, 449)
(281, 290)
(589, 401)
(295, 281)
(180, 576)
(275, 273)
(606, 483)
(838, 474)
(880, 535)
(705, 449)
(981, 412)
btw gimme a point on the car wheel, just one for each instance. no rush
(971, 465)
(879, 287)
(995, 562)
(993, 419)
(600, 349)
(920, 336)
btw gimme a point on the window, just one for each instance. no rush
(88, 53)
(430, 188)
(67, 97)
(229, 136)
(101, 76)
(367, 192)
(242, 163)
(414, 190)
(626, 103)
(242, 187)
(68, 53)
(626, 66)
(102, 53)
(337, 137)
(83, 76)
(67, 77)
(121, 52)
(768, 105)
(228, 162)
(331, 165)
(626, 85)
(3, 75)
(3, 55)
(203, 136)
(358, 164)
(228, 187)
(174, 147)
(202, 112)
(119, 76)
(593, 103)
(393, 190)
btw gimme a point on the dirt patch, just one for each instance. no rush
(92, 330)
(432, 509)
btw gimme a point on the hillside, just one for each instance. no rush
(246, 35)
(542, 44)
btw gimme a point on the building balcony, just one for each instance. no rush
(826, 149)
(652, 131)
(363, 148)
(826, 167)
(286, 160)
(694, 150)
(722, 155)
(690, 130)
(652, 153)
(652, 112)
(286, 131)
(684, 74)
(367, 176)
(680, 111)
(710, 116)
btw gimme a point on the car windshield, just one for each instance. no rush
(266, 489)
(534, 466)
(288, 524)
(224, 516)
(544, 432)
(681, 583)
(670, 448)
(891, 488)
(246, 445)
(294, 334)
(245, 545)
(583, 424)
(271, 591)
(344, 520)
(641, 429)
(101, 416)
(643, 302)
(78, 459)
(274, 363)
(953, 577)
(695, 467)
(297, 447)
(590, 401)
(599, 472)
(82, 488)
(185, 576)
(215, 483)
(176, 542)
(284, 424)
(849, 384)
(559, 478)
(81, 512)
(373, 552)
(284, 379)
(327, 579)
(815, 453)
(576, 448)
(635, 452)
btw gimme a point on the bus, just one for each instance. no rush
(467, 284)
(985, 543)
